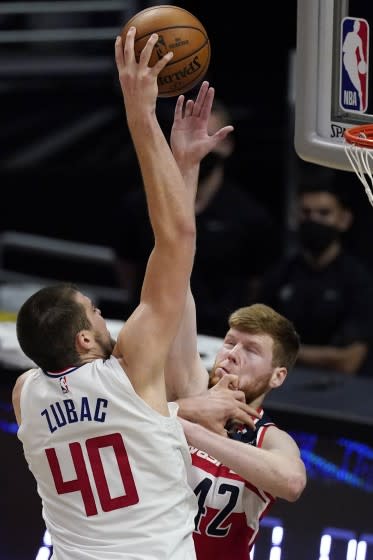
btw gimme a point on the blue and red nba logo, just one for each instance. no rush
(354, 65)
(63, 384)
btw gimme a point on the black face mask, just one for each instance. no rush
(316, 237)
(208, 163)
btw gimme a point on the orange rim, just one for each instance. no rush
(360, 135)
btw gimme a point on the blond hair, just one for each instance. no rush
(262, 319)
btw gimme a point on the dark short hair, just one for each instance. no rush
(262, 319)
(47, 325)
(318, 179)
(339, 193)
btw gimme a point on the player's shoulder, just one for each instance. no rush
(276, 437)
(20, 381)
(17, 389)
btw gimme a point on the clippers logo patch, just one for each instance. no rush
(354, 65)
(63, 384)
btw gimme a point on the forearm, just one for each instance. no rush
(185, 372)
(186, 381)
(191, 407)
(346, 360)
(318, 356)
(272, 472)
(170, 206)
(190, 175)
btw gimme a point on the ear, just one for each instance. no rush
(346, 220)
(84, 341)
(278, 377)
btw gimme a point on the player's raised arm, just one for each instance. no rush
(146, 337)
(190, 142)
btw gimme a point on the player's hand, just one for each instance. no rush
(237, 411)
(137, 79)
(221, 404)
(190, 140)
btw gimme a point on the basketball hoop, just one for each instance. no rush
(359, 150)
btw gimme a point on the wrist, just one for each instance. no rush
(144, 120)
(189, 408)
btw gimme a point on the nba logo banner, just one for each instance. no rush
(354, 65)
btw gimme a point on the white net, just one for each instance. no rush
(361, 160)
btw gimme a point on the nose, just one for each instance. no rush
(233, 353)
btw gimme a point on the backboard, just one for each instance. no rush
(334, 73)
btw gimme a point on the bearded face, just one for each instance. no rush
(252, 386)
(249, 356)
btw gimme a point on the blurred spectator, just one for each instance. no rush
(324, 290)
(235, 238)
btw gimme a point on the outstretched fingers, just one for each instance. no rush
(194, 108)
(146, 54)
(124, 50)
(129, 51)
(189, 108)
(178, 113)
(222, 133)
(205, 100)
(119, 57)
(125, 54)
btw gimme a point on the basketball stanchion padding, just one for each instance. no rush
(358, 146)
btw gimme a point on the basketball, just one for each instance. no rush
(362, 67)
(178, 31)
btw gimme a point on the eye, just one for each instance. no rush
(324, 212)
(253, 349)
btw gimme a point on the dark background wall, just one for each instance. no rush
(63, 127)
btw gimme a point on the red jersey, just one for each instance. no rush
(229, 507)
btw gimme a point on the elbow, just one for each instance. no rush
(186, 237)
(180, 242)
(351, 357)
(180, 228)
(188, 230)
(348, 369)
(182, 231)
(185, 224)
(295, 486)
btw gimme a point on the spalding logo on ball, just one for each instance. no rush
(178, 31)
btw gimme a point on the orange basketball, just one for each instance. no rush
(181, 32)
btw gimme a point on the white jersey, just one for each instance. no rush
(110, 470)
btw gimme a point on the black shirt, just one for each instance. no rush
(235, 241)
(332, 305)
